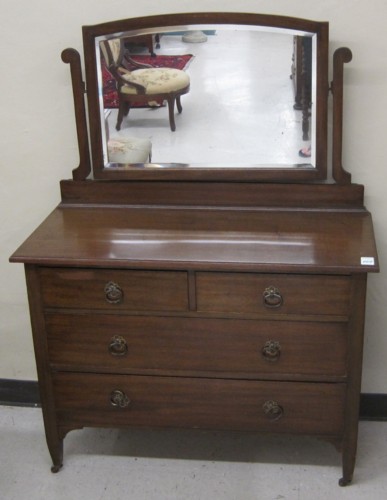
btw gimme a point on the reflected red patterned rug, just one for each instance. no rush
(110, 96)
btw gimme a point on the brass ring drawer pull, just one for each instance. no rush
(118, 346)
(272, 410)
(271, 350)
(119, 399)
(113, 293)
(272, 297)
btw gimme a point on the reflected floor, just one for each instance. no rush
(239, 109)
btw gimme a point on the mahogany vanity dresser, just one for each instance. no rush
(209, 297)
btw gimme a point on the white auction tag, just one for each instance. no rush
(367, 261)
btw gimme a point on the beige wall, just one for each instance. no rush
(38, 139)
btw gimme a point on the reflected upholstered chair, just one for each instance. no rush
(143, 84)
(124, 150)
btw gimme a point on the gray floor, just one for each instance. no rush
(182, 465)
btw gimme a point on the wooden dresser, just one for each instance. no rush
(172, 295)
(248, 319)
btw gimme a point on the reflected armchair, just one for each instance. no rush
(145, 84)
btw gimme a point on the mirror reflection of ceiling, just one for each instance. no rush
(239, 110)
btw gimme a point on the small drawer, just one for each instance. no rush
(273, 294)
(118, 400)
(114, 289)
(129, 344)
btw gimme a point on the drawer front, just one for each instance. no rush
(130, 343)
(114, 289)
(114, 400)
(273, 294)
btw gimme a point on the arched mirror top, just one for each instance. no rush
(208, 96)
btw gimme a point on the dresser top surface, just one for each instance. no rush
(221, 239)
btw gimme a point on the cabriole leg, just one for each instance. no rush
(171, 110)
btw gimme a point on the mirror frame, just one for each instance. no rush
(173, 171)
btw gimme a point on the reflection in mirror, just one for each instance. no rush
(248, 98)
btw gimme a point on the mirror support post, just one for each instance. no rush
(340, 56)
(72, 57)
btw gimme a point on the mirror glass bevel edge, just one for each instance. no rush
(175, 171)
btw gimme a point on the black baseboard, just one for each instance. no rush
(19, 392)
(373, 406)
(26, 393)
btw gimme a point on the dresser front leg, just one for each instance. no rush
(348, 469)
(56, 451)
(346, 479)
(349, 459)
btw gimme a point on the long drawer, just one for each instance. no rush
(114, 400)
(114, 289)
(129, 343)
(274, 294)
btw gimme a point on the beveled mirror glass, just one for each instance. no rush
(252, 91)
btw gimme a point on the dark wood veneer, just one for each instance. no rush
(300, 241)
(213, 194)
(166, 345)
(199, 403)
